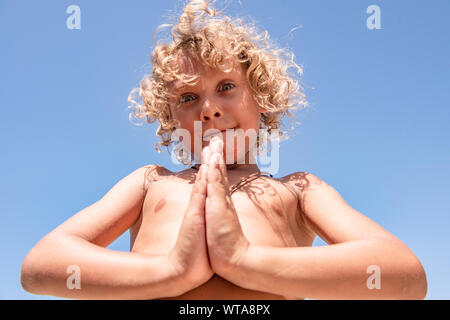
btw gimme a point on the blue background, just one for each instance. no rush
(376, 128)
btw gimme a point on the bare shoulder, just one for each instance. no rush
(304, 181)
(301, 183)
(328, 214)
(151, 172)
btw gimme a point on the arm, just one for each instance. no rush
(337, 271)
(104, 273)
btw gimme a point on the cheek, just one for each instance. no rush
(185, 127)
(185, 118)
(248, 115)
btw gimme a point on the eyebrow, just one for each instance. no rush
(185, 87)
(180, 88)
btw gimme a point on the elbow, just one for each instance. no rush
(414, 284)
(409, 280)
(29, 276)
(420, 285)
(40, 267)
(32, 274)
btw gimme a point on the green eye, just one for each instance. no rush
(227, 86)
(187, 98)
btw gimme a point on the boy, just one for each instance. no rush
(221, 230)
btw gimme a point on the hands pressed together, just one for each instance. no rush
(210, 238)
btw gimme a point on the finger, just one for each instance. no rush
(203, 172)
(198, 194)
(217, 150)
(216, 145)
(223, 170)
(206, 154)
(217, 188)
(214, 174)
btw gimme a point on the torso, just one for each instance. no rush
(268, 212)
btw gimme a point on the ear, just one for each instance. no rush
(262, 110)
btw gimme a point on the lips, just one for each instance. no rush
(217, 133)
(213, 134)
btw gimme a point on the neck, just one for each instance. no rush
(242, 169)
(237, 168)
(247, 167)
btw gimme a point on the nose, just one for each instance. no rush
(210, 111)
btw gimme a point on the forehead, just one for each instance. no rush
(190, 66)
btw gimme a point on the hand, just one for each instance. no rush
(189, 256)
(226, 241)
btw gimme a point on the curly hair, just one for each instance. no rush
(214, 38)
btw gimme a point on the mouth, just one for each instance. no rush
(221, 133)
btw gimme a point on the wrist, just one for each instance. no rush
(175, 277)
(187, 277)
(234, 266)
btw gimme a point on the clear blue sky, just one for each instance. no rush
(376, 130)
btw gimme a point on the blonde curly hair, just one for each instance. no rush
(214, 38)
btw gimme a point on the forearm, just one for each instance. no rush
(333, 272)
(104, 273)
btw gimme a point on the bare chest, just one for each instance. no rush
(266, 208)
(267, 212)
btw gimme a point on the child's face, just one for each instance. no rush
(220, 100)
